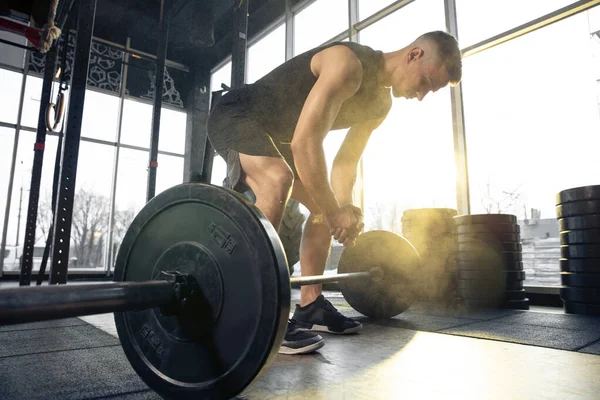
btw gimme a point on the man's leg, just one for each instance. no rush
(271, 180)
(315, 312)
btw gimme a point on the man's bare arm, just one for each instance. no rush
(344, 169)
(339, 75)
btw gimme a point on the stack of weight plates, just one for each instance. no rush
(578, 213)
(489, 261)
(430, 232)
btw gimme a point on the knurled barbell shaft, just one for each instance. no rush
(313, 280)
(40, 303)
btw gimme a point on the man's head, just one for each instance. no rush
(429, 63)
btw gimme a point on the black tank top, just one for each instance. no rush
(276, 99)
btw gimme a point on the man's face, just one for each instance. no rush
(421, 76)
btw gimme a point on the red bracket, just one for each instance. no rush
(32, 34)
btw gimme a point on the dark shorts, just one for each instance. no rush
(233, 130)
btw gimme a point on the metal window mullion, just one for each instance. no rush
(14, 161)
(353, 19)
(289, 31)
(458, 124)
(379, 15)
(108, 253)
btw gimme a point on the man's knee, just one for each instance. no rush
(280, 178)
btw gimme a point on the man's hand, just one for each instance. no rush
(346, 224)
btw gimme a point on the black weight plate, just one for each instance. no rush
(582, 308)
(509, 276)
(487, 293)
(481, 246)
(580, 265)
(484, 266)
(591, 221)
(581, 295)
(490, 255)
(485, 228)
(580, 251)
(591, 280)
(578, 194)
(396, 265)
(488, 237)
(582, 236)
(517, 304)
(485, 219)
(223, 241)
(578, 208)
(466, 284)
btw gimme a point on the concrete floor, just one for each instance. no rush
(427, 353)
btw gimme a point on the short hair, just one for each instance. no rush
(449, 53)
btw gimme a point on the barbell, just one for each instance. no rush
(202, 291)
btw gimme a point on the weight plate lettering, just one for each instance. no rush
(580, 251)
(485, 228)
(591, 280)
(578, 194)
(485, 219)
(394, 263)
(222, 240)
(580, 265)
(581, 294)
(578, 208)
(591, 221)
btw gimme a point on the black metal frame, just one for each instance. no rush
(161, 55)
(36, 171)
(240, 44)
(70, 149)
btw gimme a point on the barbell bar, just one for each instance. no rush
(43, 303)
(201, 297)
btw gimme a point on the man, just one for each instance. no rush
(271, 135)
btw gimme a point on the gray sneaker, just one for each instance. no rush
(300, 342)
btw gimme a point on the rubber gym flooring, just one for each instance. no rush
(421, 354)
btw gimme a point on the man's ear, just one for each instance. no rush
(415, 53)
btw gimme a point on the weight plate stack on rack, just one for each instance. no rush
(489, 261)
(430, 231)
(578, 213)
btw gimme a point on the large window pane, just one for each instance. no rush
(266, 54)
(20, 195)
(7, 138)
(172, 131)
(318, 23)
(100, 116)
(533, 130)
(12, 55)
(91, 209)
(219, 171)
(136, 126)
(32, 99)
(10, 88)
(169, 172)
(479, 20)
(409, 161)
(367, 8)
(130, 196)
(221, 76)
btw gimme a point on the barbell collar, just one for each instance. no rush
(313, 280)
(42, 303)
